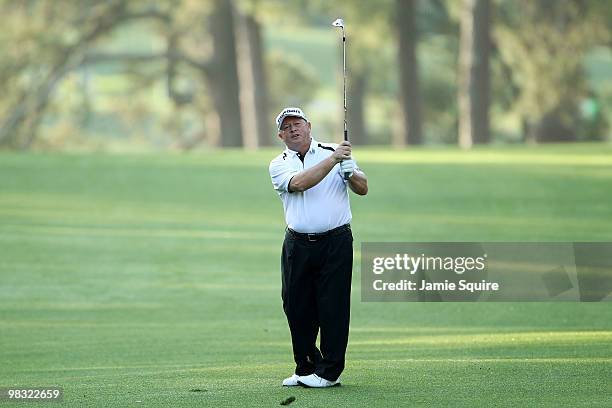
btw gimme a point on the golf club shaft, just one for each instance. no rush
(346, 175)
(344, 82)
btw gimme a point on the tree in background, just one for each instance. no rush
(41, 44)
(543, 44)
(47, 42)
(473, 78)
(222, 73)
(438, 25)
(253, 76)
(207, 58)
(410, 93)
(367, 34)
(262, 94)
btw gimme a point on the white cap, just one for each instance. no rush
(289, 111)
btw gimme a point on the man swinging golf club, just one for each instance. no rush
(311, 179)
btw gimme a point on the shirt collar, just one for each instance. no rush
(311, 149)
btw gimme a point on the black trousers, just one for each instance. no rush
(316, 293)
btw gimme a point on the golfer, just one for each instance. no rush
(317, 255)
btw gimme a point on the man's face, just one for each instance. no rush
(295, 132)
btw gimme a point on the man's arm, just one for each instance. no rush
(309, 178)
(358, 182)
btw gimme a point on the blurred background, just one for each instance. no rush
(124, 75)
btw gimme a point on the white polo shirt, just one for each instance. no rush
(320, 208)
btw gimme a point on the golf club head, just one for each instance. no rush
(338, 23)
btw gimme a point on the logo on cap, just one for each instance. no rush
(292, 111)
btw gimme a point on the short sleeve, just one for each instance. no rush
(281, 173)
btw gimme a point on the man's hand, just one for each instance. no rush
(342, 152)
(347, 167)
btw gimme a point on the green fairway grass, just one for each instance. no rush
(153, 280)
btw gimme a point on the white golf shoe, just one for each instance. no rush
(314, 381)
(291, 381)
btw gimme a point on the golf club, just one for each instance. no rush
(340, 23)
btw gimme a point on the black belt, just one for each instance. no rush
(316, 236)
